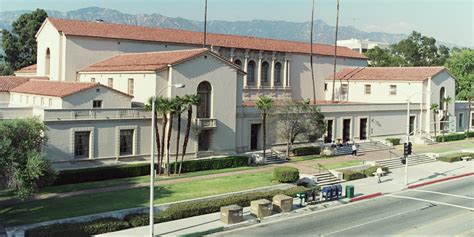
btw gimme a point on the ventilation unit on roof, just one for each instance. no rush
(99, 20)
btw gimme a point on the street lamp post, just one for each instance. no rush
(152, 153)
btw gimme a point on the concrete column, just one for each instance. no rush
(285, 73)
(272, 72)
(232, 55)
(259, 71)
(288, 84)
(246, 62)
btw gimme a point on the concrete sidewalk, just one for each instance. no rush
(393, 182)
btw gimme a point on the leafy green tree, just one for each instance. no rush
(383, 58)
(461, 65)
(22, 163)
(20, 44)
(5, 70)
(264, 104)
(189, 101)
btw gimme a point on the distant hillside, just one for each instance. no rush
(324, 33)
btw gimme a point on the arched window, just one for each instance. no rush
(277, 74)
(47, 62)
(442, 95)
(238, 62)
(264, 73)
(251, 73)
(204, 92)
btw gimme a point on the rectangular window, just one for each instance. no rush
(50, 103)
(21, 98)
(472, 120)
(27, 99)
(92, 79)
(42, 101)
(393, 89)
(110, 82)
(461, 120)
(126, 142)
(368, 89)
(81, 144)
(97, 104)
(130, 86)
(344, 88)
(325, 86)
(34, 100)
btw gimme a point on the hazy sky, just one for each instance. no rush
(446, 20)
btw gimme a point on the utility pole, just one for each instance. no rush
(205, 24)
(335, 53)
(311, 53)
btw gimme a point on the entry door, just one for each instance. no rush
(412, 125)
(328, 138)
(363, 129)
(254, 131)
(204, 140)
(346, 130)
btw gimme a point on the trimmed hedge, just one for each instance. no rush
(309, 150)
(349, 175)
(286, 174)
(212, 164)
(394, 141)
(469, 134)
(89, 228)
(454, 157)
(133, 170)
(190, 209)
(369, 172)
(450, 137)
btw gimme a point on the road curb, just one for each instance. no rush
(364, 197)
(439, 180)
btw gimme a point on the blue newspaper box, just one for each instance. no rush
(334, 192)
(326, 192)
(339, 191)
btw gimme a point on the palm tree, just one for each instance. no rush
(311, 53)
(157, 131)
(446, 101)
(264, 104)
(172, 107)
(163, 107)
(335, 53)
(434, 107)
(189, 101)
(179, 109)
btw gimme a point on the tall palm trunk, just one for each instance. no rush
(178, 131)
(264, 120)
(168, 143)
(186, 136)
(311, 54)
(434, 122)
(163, 131)
(469, 119)
(335, 55)
(157, 134)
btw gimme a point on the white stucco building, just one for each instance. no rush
(362, 46)
(114, 69)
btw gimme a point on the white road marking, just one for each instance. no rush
(446, 194)
(431, 201)
(370, 222)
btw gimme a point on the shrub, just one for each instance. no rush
(213, 163)
(309, 150)
(469, 134)
(450, 137)
(349, 175)
(369, 172)
(286, 174)
(189, 209)
(454, 157)
(394, 141)
(89, 228)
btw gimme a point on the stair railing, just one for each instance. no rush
(321, 167)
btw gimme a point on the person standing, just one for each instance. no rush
(379, 174)
(354, 149)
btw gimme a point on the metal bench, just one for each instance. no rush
(466, 158)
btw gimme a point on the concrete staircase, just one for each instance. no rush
(274, 159)
(327, 178)
(343, 150)
(394, 163)
(372, 146)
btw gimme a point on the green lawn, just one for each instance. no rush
(441, 147)
(132, 180)
(58, 208)
(305, 158)
(342, 164)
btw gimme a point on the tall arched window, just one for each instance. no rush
(442, 95)
(264, 73)
(238, 62)
(204, 92)
(251, 73)
(47, 62)
(277, 74)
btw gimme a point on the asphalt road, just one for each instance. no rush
(443, 209)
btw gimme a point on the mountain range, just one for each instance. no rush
(285, 30)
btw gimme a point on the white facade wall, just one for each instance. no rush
(83, 100)
(39, 101)
(144, 82)
(49, 37)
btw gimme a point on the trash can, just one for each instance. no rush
(261, 208)
(339, 191)
(232, 214)
(282, 203)
(334, 192)
(349, 191)
(302, 197)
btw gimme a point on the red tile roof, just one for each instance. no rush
(7, 83)
(155, 34)
(388, 73)
(53, 88)
(27, 69)
(150, 61)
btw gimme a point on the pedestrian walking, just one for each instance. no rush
(379, 174)
(354, 149)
